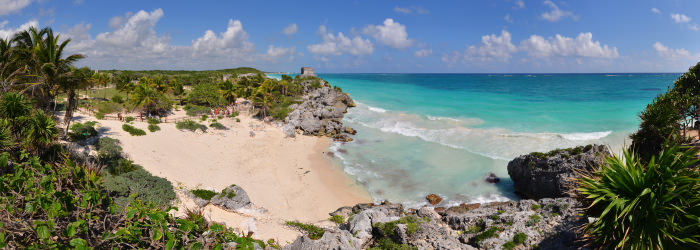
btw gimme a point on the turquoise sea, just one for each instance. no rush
(442, 133)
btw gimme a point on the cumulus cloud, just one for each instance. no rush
(519, 4)
(118, 21)
(680, 18)
(492, 48)
(232, 42)
(275, 53)
(655, 10)
(392, 34)
(340, 44)
(7, 33)
(673, 54)
(290, 29)
(423, 53)
(581, 46)
(10, 6)
(555, 14)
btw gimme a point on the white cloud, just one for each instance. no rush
(398, 9)
(655, 10)
(423, 53)
(10, 32)
(555, 14)
(411, 9)
(492, 48)
(136, 33)
(274, 53)
(519, 4)
(392, 34)
(508, 19)
(290, 29)
(581, 46)
(10, 6)
(340, 44)
(673, 54)
(118, 21)
(680, 18)
(694, 26)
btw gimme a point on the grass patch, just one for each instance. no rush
(535, 207)
(129, 119)
(315, 232)
(152, 120)
(190, 125)
(99, 115)
(204, 194)
(196, 110)
(204, 118)
(133, 130)
(473, 229)
(108, 107)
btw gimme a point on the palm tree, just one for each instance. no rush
(228, 91)
(40, 131)
(101, 79)
(148, 99)
(14, 106)
(263, 99)
(46, 62)
(125, 84)
(80, 79)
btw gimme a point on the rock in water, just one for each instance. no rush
(232, 198)
(492, 178)
(551, 175)
(433, 199)
(321, 111)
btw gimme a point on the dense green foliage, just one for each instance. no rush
(204, 194)
(138, 184)
(668, 115)
(338, 219)
(195, 110)
(645, 206)
(489, 233)
(82, 131)
(206, 94)
(518, 239)
(217, 125)
(385, 233)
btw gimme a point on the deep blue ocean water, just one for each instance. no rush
(442, 133)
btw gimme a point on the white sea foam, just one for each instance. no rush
(375, 109)
(585, 136)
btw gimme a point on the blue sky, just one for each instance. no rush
(513, 36)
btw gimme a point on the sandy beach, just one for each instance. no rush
(290, 178)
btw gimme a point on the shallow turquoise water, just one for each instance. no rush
(441, 133)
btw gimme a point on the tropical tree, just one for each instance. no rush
(644, 206)
(147, 98)
(228, 90)
(46, 62)
(101, 80)
(14, 106)
(39, 132)
(80, 78)
(264, 101)
(124, 84)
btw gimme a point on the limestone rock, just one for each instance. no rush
(332, 239)
(433, 199)
(551, 175)
(232, 198)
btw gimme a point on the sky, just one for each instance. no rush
(488, 36)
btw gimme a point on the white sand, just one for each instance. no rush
(290, 177)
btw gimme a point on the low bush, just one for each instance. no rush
(118, 99)
(108, 107)
(217, 125)
(338, 219)
(82, 131)
(518, 239)
(195, 110)
(99, 115)
(190, 125)
(141, 185)
(108, 149)
(204, 117)
(152, 120)
(153, 127)
(534, 219)
(489, 233)
(204, 194)
(314, 232)
(129, 119)
(133, 130)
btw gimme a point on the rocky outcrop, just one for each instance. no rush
(232, 198)
(547, 223)
(321, 111)
(551, 175)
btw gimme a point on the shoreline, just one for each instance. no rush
(292, 179)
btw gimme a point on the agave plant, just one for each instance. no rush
(644, 206)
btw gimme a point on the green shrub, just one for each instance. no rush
(142, 184)
(518, 239)
(534, 219)
(190, 125)
(129, 119)
(82, 131)
(152, 120)
(195, 110)
(153, 127)
(473, 229)
(280, 112)
(204, 194)
(217, 125)
(338, 219)
(238, 120)
(100, 115)
(108, 149)
(645, 206)
(108, 107)
(314, 232)
(206, 94)
(204, 118)
(118, 99)
(490, 233)
(535, 207)
(389, 244)
(133, 130)
(234, 114)
(220, 117)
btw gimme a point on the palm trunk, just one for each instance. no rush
(69, 110)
